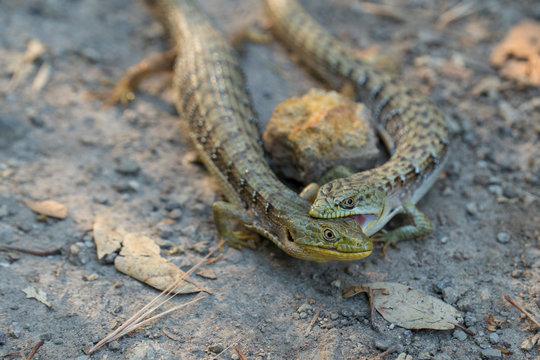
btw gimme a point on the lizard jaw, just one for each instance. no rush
(364, 219)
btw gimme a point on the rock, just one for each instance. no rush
(11, 130)
(470, 319)
(164, 230)
(310, 135)
(460, 335)
(493, 338)
(127, 166)
(141, 351)
(510, 192)
(450, 295)
(78, 254)
(175, 214)
(304, 308)
(491, 354)
(216, 348)
(3, 337)
(471, 209)
(503, 237)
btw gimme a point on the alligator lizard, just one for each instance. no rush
(411, 126)
(213, 99)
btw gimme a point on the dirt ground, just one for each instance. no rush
(131, 164)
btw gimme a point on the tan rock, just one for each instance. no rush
(310, 135)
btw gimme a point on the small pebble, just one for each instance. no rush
(493, 338)
(510, 192)
(516, 274)
(14, 330)
(471, 209)
(173, 205)
(503, 237)
(334, 316)
(101, 199)
(336, 283)
(470, 319)
(133, 185)
(304, 308)
(175, 214)
(460, 335)
(127, 166)
(489, 354)
(450, 295)
(164, 230)
(114, 346)
(216, 348)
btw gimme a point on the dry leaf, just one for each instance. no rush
(107, 236)
(412, 309)
(38, 294)
(48, 207)
(492, 323)
(518, 55)
(207, 273)
(140, 259)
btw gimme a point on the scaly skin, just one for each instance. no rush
(412, 127)
(213, 99)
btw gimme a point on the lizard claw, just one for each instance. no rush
(387, 238)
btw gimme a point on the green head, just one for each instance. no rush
(337, 199)
(324, 239)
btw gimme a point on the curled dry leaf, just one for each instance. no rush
(38, 294)
(138, 256)
(48, 207)
(107, 236)
(493, 324)
(140, 259)
(412, 309)
(518, 55)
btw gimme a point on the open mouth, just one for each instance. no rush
(364, 219)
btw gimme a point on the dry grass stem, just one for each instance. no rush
(136, 321)
(313, 319)
(520, 308)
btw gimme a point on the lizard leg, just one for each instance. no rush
(421, 227)
(123, 90)
(224, 215)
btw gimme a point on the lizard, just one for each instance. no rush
(410, 125)
(212, 97)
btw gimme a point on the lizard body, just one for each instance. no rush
(412, 127)
(213, 99)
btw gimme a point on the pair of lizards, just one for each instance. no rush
(212, 97)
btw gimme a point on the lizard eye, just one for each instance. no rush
(329, 235)
(347, 203)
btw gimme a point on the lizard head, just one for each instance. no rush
(362, 203)
(324, 239)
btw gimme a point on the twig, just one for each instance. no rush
(380, 356)
(464, 329)
(135, 322)
(313, 319)
(35, 349)
(11, 355)
(457, 12)
(240, 353)
(30, 251)
(525, 312)
(371, 308)
(214, 259)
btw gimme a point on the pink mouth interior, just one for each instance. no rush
(364, 219)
